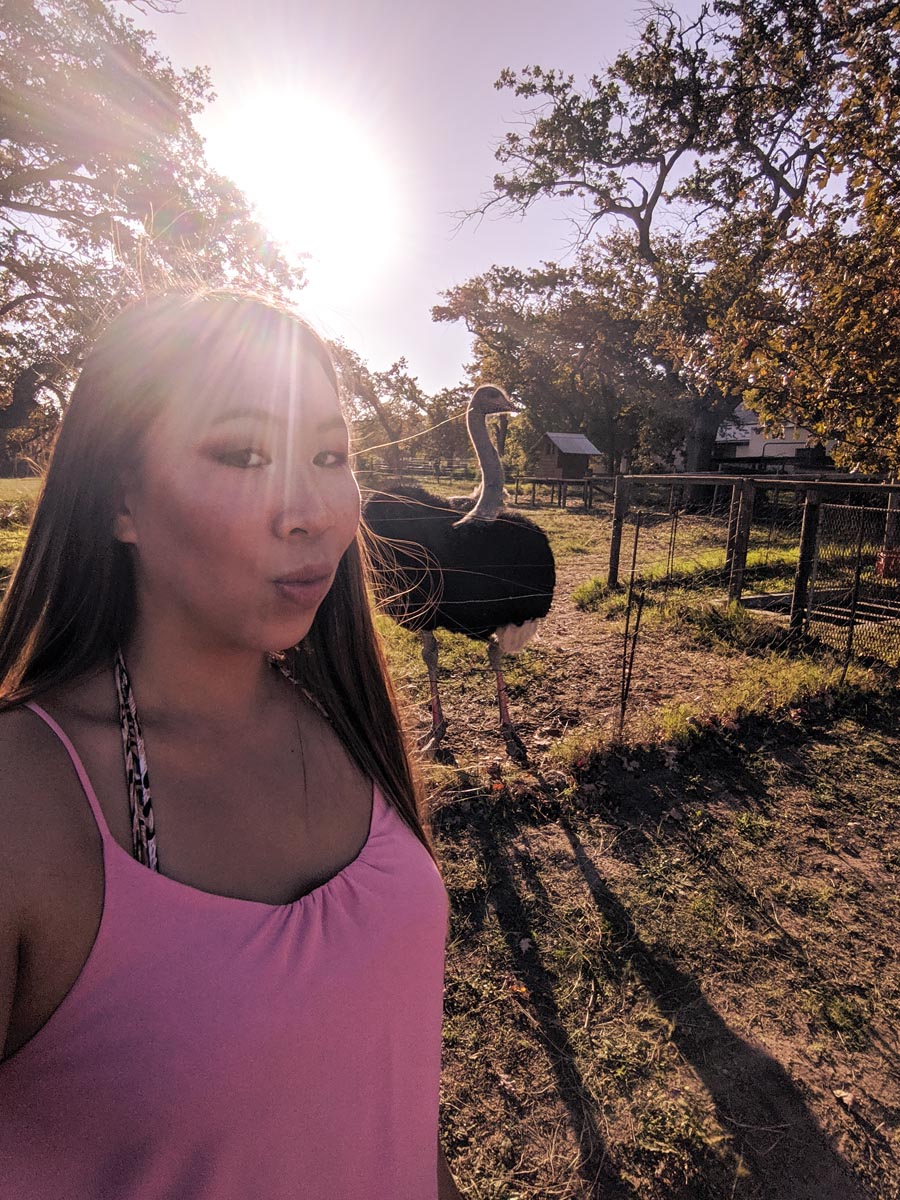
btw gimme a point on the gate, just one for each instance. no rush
(854, 601)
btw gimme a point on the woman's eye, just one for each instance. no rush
(338, 458)
(245, 458)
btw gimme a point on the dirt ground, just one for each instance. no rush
(673, 968)
(679, 978)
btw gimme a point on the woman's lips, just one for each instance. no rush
(303, 592)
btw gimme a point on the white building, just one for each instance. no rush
(743, 437)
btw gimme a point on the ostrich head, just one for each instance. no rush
(489, 399)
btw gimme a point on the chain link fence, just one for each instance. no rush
(854, 596)
(829, 569)
(709, 537)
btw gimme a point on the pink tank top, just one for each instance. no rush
(223, 1049)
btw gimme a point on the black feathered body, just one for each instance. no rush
(472, 579)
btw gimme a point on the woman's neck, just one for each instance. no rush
(179, 680)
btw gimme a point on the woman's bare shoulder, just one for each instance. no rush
(37, 786)
(24, 749)
(31, 753)
(23, 768)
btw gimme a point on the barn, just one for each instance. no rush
(564, 456)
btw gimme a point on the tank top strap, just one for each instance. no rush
(143, 833)
(80, 771)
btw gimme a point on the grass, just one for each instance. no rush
(15, 490)
(699, 576)
(767, 684)
(12, 540)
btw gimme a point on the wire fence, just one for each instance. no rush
(814, 565)
(826, 569)
(854, 595)
(713, 538)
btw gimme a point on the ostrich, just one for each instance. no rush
(489, 574)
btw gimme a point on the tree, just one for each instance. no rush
(819, 343)
(446, 439)
(386, 408)
(717, 142)
(567, 341)
(104, 191)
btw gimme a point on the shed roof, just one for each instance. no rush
(572, 443)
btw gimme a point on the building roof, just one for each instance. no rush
(572, 443)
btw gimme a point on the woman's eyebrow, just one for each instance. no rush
(234, 414)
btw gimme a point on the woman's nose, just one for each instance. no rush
(303, 510)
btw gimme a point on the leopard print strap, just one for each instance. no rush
(143, 836)
(279, 662)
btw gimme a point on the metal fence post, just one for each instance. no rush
(808, 538)
(620, 512)
(747, 491)
(892, 523)
(854, 602)
(733, 511)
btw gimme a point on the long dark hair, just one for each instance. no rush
(72, 599)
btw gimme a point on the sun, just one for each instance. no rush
(321, 181)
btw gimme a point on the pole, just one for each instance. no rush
(854, 603)
(775, 503)
(809, 532)
(741, 539)
(733, 510)
(620, 512)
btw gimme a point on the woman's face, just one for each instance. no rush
(244, 504)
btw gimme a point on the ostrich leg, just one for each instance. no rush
(431, 743)
(515, 748)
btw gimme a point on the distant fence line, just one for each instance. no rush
(846, 583)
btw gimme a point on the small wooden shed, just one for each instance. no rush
(564, 456)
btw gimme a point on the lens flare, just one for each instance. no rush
(321, 182)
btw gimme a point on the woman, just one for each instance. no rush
(230, 986)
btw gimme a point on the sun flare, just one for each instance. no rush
(321, 182)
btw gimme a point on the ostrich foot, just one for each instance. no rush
(515, 747)
(431, 748)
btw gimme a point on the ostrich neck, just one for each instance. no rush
(490, 501)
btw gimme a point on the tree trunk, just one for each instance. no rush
(502, 429)
(701, 440)
(16, 414)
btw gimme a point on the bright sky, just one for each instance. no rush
(358, 127)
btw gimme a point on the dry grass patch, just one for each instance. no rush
(681, 971)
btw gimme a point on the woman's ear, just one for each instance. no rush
(124, 529)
